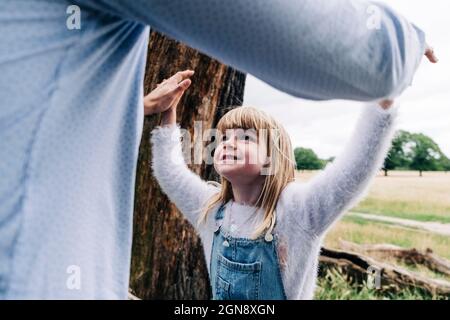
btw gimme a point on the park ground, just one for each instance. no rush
(402, 209)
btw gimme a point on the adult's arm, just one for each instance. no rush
(314, 49)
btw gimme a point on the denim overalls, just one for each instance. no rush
(244, 269)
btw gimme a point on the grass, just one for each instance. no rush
(420, 211)
(334, 286)
(362, 231)
(403, 194)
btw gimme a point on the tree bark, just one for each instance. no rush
(167, 256)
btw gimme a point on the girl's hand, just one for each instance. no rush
(168, 93)
(429, 53)
(386, 104)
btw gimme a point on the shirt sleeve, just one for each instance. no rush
(318, 203)
(183, 187)
(313, 49)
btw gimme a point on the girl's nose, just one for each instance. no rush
(229, 142)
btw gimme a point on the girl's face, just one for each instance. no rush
(239, 157)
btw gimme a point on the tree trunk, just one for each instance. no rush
(167, 256)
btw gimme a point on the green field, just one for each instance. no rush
(402, 195)
(406, 195)
(362, 231)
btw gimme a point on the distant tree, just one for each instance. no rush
(415, 151)
(398, 154)
(307, 159)
(426, 154)
(447, 166)
(444, 163)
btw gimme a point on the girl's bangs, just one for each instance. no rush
(244, 118)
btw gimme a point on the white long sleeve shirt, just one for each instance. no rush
(305, 210)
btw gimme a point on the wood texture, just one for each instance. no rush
(167, 255)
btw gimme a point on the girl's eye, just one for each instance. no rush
(242, 137)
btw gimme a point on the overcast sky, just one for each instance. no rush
(424, 107)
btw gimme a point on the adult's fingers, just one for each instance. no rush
(181, 75)
(161, 83)
(183, 85)
(429, 53)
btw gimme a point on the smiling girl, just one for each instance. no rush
(261, 230)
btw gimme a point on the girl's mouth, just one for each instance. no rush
(229, 157)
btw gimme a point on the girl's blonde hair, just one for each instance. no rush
(282, 162)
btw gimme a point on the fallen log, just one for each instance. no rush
(408, 256)
(356, 267)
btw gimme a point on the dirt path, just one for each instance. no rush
(435, 227)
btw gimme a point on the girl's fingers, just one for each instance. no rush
(386, 104)
(177, 93)
(177, 100)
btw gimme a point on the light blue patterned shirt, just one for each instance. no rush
(71, 111)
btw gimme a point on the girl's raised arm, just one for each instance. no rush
(183, 187)
(320, 201)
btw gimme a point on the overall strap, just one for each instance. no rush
(219, 215)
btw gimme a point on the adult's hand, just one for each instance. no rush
(430, 54)
(167, 93)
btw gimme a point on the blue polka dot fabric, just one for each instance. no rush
(70, 124)
(71, 112)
